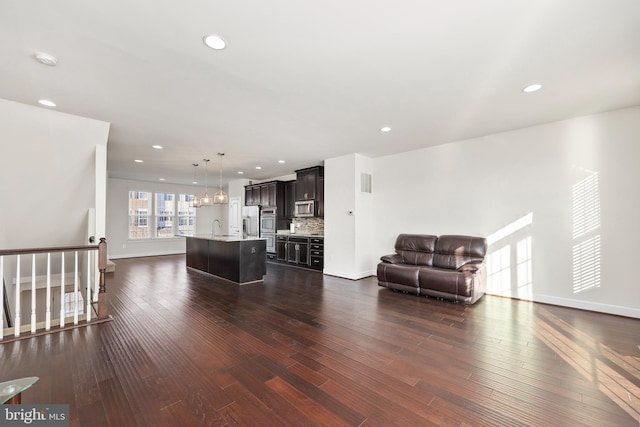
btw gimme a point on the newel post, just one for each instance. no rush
(102, 267)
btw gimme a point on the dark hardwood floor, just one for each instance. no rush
(303, 349)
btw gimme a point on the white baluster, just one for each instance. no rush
(88, 311)
(47, 317)
(33, 293)
(62, 304)
(75, 290)
(16, 319)
(96, 277)
(1, 297)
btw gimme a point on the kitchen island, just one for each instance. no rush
(240, 260)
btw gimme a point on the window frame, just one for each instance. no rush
(153, 215)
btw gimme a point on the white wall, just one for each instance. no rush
(339, 226)
(119, 244)
(364, 232)
(50, 178)
(485, 185)
(47, 175)
(347, 220)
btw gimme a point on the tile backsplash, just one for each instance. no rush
(309, 225)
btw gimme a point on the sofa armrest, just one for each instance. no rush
(392, 259)
(471, 266)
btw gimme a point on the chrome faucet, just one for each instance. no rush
(213, 227)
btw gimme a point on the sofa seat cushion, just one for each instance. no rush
(443, 280)
(398, 276)
(453, 252)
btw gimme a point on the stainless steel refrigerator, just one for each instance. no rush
(250, 221)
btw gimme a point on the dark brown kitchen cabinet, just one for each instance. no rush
(289, 199)
(302, 251)
(248, 196)
(298, 250)
(271, 194)
(281, 248)
(307, 181)
(316, 253)
(255, 195)
(252, 196)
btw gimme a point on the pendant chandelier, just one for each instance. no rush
(195, 202)
(205, 200)
(220, 197)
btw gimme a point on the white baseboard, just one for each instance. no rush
(350, 276)
(588, 305)
(583, 305)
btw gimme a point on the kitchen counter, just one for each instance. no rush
(237, 259)
(289, 233)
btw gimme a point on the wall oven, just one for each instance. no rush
(268, 221)
(268, 225)
(305, 209)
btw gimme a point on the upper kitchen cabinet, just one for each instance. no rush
(308, 182)
(252, 195)
(289, 199)
(268, 194)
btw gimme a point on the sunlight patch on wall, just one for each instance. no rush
(524, 269)
(586, 222)
(508, 230)
(509, 263)
(586, 265)
(586, 206)
(499, 271)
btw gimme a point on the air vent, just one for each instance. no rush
(365, 182)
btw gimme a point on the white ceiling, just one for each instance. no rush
(305, 81)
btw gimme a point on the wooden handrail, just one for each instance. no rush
(102, 311)
(4, 252)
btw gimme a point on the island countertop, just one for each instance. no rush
(225, 238)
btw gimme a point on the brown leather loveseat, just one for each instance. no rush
(448, 267)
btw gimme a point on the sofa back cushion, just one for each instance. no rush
(416, 249)
(455, 251)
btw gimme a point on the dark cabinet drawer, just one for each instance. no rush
(317, 253)
(317, 263)
(316, 240)
(298, 239)
(316, 246)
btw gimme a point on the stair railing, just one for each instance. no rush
(71, 311)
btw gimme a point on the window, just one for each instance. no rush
(186, 215)
(139, 206)
(70, 300)
(167, 211)
(165, 203)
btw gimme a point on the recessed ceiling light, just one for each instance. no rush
(258, 167)
(157, 147)
(385, 129)
(161, 179)
(240, 173)
(46, 59)
(280, 161)
(532, 88)
(47, 103)
(139, 161)
(194, 182)
(214, 42)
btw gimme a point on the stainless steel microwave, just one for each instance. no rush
(305, 209)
